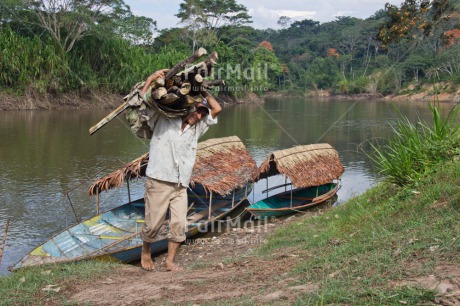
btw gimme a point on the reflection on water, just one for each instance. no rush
(44, 154)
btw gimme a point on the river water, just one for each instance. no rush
(45, 154)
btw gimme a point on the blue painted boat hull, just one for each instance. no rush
(115, 235)
(302, 198)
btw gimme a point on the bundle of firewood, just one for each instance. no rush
(175, 95)
(182, 86)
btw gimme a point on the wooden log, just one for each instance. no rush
(198, 99)
(160, 82)
(210, 69)
(180, 66)
(174, 81)
(173, 89)
(185, 88)
(211, 83)
(198, 78)
(107, 118)
(190, 100)
(211, 60)
(159, 93)
(214, 56)
(185, 74)
(169, 83)
(4, 238)
(169, 99)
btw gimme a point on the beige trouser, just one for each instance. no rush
(159, 196)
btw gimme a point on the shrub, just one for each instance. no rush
(415, 149)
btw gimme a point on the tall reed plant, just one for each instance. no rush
(415, 149)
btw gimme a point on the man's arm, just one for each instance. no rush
(213, 104)
(152, 78)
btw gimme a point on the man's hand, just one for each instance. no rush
(152, 78)
(213, 104)
(158, 74)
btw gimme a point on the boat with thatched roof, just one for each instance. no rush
(222, 166)
(311, 170)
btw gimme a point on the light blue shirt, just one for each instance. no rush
(173, 151)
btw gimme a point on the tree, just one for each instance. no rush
(416, 65)
(351, 37)
(267, 45)
(205, 17)
(323, 73)
(305, 24)
(284, 21)
(177, 37)
(265, 59)
(69, 20)
(136, 29)
(417, 18)
(214, 13)
(228, 34)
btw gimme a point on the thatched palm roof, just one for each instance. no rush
(131, 170)
(305, 166)
(222, 164)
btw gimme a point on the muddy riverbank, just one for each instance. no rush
(100, 100)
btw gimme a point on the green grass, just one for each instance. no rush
(353, 252)
(24, 286)
(414, 149)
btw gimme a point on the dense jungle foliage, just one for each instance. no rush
(62, 46)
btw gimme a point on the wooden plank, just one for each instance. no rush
(107, 118)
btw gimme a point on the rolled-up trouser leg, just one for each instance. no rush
(178, 210)
(157, 197)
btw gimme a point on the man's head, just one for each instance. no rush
(194, 117)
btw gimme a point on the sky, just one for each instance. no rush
(265, 13)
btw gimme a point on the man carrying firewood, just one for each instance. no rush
(171, 158)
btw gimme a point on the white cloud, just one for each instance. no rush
(344, 13)
(266, 13)
(296, 14)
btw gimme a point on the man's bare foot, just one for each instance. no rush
(170, 266)
(146, 258)
(147, 262)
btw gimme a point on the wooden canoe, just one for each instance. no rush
(302, 198)
(115, 234)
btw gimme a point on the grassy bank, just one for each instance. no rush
(25, 286)
(359, 253)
